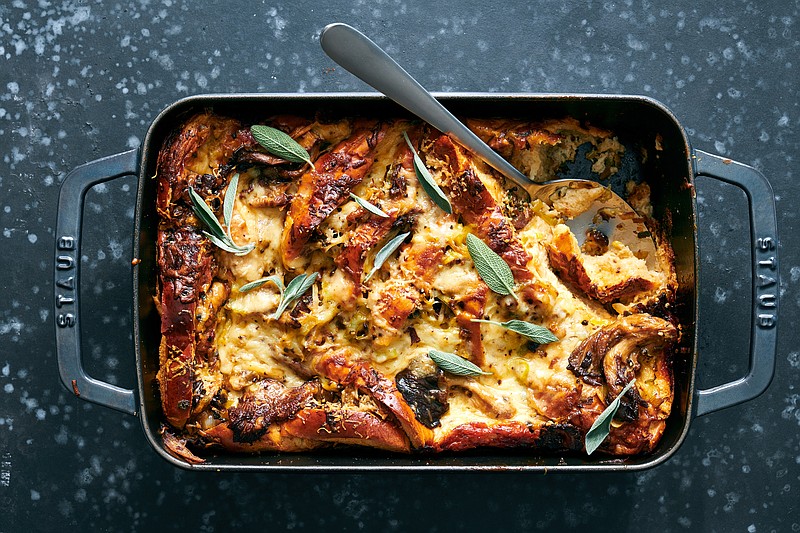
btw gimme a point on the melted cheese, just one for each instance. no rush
(523, 384)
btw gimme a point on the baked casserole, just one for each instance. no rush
(390, 286)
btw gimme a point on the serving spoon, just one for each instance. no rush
(610, 214)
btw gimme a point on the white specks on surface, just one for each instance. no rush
(744, 50)
(62, 437)
(12, 326)
(164, 60)
(8, 388)
(794, 360)
(784, 120)
(276, 23)
(200, 80)
(731, 499)
(728, 54)
(35, 495)
(32, 238)
(65, 508)
(715, 23)
(792, 410)
(29, 403)
(721, 295)
(116, 248)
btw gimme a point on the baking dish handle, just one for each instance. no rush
(766, 283)
(67, 280)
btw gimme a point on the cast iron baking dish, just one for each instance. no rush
(643, 125)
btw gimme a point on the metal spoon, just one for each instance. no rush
(366, 60)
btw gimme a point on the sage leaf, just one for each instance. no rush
(491, 267)
(227, 204)
(536, 333)
(386, 252)
(228, 245)
(259, 282)
(280, 144)
(426, 180)
(375, 210)
(602, 426)
(206, 215)
(218, 235)
(293, 291)
(455, 364)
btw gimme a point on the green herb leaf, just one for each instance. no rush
(228, 245)
(492, 268)
(602, 426)
(386, 252)
(206, 215)
(375, 210)
(218, 235)
(227, 204)
(536, 333)
(293, 291)
(455, 364)
(279, 144)
(426, 180)
(259, 282)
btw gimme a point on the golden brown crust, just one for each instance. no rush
(340, 369)
(184, 257)
(636, 346)
(567, 259)
(473, 201)
(475, 204)
(348, 427)
(275, 439)
(328, 185)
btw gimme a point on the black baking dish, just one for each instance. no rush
(660, 151)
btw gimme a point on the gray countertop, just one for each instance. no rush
(80, 80)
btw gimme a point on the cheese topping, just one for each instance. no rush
(427, 293)
(251, 345)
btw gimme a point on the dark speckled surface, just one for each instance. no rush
(80, 80)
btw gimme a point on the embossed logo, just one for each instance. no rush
(65, 297)
(767, 283)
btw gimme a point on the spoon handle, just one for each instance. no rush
(366, 60)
